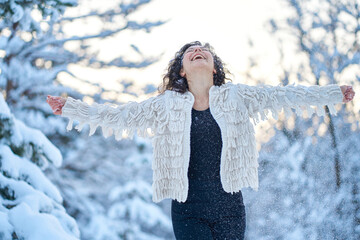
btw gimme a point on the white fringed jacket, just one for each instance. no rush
(168, 116)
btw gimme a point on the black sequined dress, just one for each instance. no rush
(206, 196)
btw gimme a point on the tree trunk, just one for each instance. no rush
(334, 145)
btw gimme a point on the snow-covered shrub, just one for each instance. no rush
(31, 206)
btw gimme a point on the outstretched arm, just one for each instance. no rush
(261, 99)
(129, 118)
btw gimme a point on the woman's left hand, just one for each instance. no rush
(348, 93)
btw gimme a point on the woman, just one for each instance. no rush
(204, 144)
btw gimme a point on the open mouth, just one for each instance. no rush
(197, 57)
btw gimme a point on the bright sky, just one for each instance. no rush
(226, 24)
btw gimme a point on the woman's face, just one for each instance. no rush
(197, 58)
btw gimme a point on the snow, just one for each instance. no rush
(136, 210)
(32, 225)
(13, 46)
(23, 192)
(6, 228)
(4, 109)
(35, 136)
(22, 134)
(140, 188)
(139, 207)
(69, 2)
(297, 234)
(19, 168)
(3, 42)
(35, 209)
(18, 11)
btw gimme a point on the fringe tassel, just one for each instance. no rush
(169, 173)
(166, 188)
(262, 100)
(170, 162)
(241, 178)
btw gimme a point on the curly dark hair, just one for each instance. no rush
(172, 80)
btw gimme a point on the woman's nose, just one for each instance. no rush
(197, 49)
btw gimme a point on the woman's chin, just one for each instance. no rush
(201, 64)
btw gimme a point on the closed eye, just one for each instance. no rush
(193, 49)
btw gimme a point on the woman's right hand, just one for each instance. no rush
(56, 104)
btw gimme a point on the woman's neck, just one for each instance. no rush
(200, 89)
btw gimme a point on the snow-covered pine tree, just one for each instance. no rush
(31, 58)
(31, 206)
(309, 170)
(34, 51)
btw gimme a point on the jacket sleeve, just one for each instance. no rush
(124, 119)
(264, 99)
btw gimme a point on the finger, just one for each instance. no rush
(54, 98)
(348, 96)
(350, 89)
(59, 104)
(349, 93)
(57, 112)
(54, 102)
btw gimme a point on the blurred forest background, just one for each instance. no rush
(65, 185)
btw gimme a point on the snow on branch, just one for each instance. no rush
(103, 34)
(123, 10)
